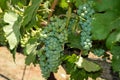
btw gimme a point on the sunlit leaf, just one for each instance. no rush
(30, 46)
(87, 65)
(11, 30)
(63, 4)
(90, 66)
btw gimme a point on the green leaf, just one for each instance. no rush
(14, 2)
(70, 63)
(112, 39)
(87, 65)
(116, 23)
(3, 4)
(13, 51)
(30, 50)
(17, 2)
(78, 3)
(30, 58)
(11, 30)
(102, 25)
(90, 66)
(78, 74)
(69, 67)
(30, 46)
(31, 11)
(2, 34)
(103, 5)
(74, 41)
(116, 58)
(71, 58)
(81, 74)
(63, 4)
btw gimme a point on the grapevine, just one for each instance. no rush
(85, 12)
(83, 26)
(53, 36)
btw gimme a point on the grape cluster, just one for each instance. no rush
(53, 36)
(99, 51)
(85, 12)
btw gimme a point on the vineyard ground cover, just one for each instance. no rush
(14, 71)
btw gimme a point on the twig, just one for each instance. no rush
(5, 77)
(52, 9)
(24, 72)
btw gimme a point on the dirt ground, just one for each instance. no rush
(10, 70)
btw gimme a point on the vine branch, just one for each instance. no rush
(52, 9)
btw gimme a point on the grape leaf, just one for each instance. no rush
(3, 4)
(78, 3)
(63, 4)
(11, 30)
(70, 60)
(116, 23)
(30, 58)
(90, 66)
(17, 2)
(30, 46)
(14, 2)
(103, 5)
(112, 39)
(74, 41)
(30, 50)
(116, 58)
(78, 74)
(101, 25)
(81, 74)
(87, 65)
(30, 11)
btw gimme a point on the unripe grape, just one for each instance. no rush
(82, 14)
(85, 22)
(84, 8)
(56, 36)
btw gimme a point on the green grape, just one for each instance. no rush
(85, 12)
(99, 52)
(28, 35)
(53, 36)
(24, 39)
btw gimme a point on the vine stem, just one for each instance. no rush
(24, 72)
(52, 9)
